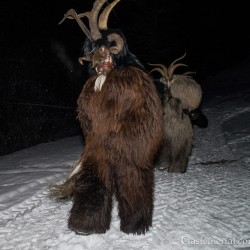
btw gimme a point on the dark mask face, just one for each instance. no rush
(96, 52)
(102, 61)
(104, 51)
(114, 51)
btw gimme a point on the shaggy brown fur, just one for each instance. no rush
(182, 95)
(123, 128)
(121, 117)
(178, 137)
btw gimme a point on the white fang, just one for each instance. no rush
(99, 82)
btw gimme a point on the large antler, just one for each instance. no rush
(94, 33)
(168, 72)
(173, 66)
(71, 14)
(163, 69)
(103, 19)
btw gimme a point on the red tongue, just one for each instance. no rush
(104, 67)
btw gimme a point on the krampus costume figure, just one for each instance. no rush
(121, 117)
(182, 97)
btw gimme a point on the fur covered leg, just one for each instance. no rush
(162, 160)
(135, 200)
(92, 205)
(179, 161)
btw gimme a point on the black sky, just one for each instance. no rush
(212, 33)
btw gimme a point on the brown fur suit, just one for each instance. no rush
(122, 122)
(183, 94)
(123, 127)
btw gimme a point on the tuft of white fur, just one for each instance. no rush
(75, 170)
(66, 188)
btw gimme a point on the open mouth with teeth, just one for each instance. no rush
(102, 61)
(103, 67)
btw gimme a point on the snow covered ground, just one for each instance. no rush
(206, 208)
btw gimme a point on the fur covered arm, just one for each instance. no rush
(82, 115)
(85, 123)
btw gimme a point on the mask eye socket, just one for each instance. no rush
(113, 43)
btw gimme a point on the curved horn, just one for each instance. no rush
(119, 43)
(95, 32)
(71, 14)
(84, 58)
(174, 67)
(159, 70)
(188, 73)
(162, 66)
(103, 19)
(163, 69)
(176, 60)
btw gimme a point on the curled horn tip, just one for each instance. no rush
(83, 58)
(119, 43)
(178, 59)
(70, 13)
(103, 19)
(161, 68)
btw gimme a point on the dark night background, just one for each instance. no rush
(40, 78)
